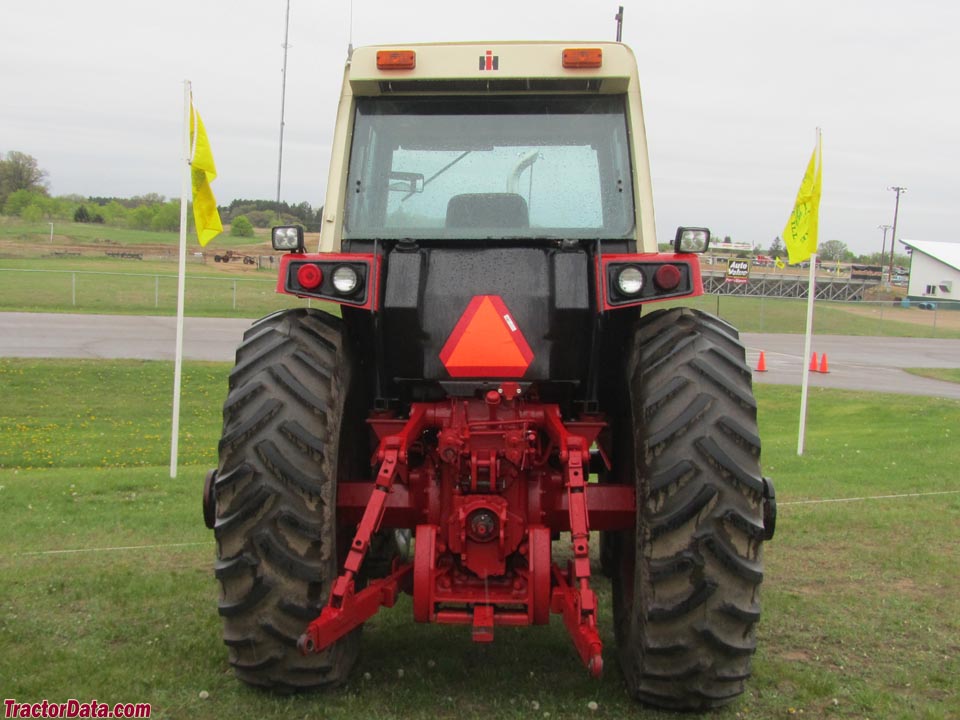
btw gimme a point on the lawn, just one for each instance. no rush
(33, 279)
(38, 234)
(112, 286)
(946, 374)
(108, 588)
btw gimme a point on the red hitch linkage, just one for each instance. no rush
(484, 496)
(347, 610)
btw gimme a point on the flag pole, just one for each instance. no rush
(807, 343)
(808, 336)
(181, 281)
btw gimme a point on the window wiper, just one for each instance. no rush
(437, 174)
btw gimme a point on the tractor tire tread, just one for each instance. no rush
(276, 499)
(686, 615)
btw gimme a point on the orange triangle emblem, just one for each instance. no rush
(486, 342)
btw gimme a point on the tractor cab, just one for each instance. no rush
(498, 211)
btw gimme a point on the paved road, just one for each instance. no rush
(117, 336)
(856, 363)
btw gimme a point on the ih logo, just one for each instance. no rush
(486, 342)
(489, 61)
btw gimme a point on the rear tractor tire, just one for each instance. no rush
(686, 596)
(284, 442)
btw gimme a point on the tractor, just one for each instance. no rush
(494, 411)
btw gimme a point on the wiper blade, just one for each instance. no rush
(438, 173)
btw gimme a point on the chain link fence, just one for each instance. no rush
(245, 296)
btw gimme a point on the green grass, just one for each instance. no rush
(112, 286)
(788, 315)
(38, 234)
(210, 285)
(946, 374)
(861, 599)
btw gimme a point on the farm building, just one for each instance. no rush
(934, 272)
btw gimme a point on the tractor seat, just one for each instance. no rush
(487, 210)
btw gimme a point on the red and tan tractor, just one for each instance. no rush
(495, 411)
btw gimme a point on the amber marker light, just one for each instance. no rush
(582, 57)
(396, 59)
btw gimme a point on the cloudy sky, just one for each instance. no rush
(733, 91)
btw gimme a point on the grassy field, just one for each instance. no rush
(108, 589)
(788, 315)
(947, 374)
(112, 286)
(37, 235)
(95, 283)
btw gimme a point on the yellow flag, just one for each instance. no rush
(800, 235)
(203, 172)
(779, 263)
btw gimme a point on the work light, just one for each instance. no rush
(287, 238)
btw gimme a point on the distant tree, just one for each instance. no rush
(114, 212)
(166, 218)
(833, 250)
(148, 199)
(141, 217)
(19, 200)
(19, 171)
(32, 214)
(241, 227)
(261, 218)
(776, 248)
(81, 215)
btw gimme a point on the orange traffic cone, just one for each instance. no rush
(762, 363)
(813, 363)
(823, 364)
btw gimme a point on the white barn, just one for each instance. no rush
(934, 272)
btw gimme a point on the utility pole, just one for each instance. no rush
(893, 240)
(883, 248)
(283, 101)
(619, 18)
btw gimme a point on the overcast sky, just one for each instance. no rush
(732, 91)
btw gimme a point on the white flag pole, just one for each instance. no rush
(181, 281)
(807, 343)
(808, 339)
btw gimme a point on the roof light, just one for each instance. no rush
(582, 57)
(396, 59)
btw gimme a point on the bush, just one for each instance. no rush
(241, 227)
(32, 214)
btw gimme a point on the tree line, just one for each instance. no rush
(24, 193)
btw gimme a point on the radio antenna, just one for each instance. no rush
(619, 18)
(283, 102)
(350, 41)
